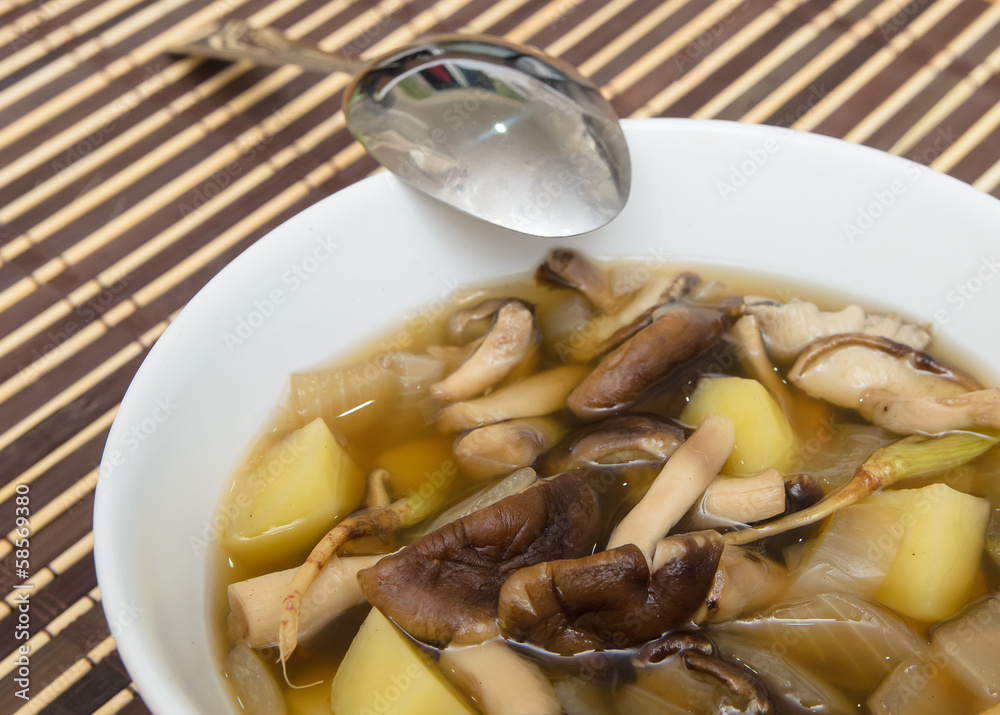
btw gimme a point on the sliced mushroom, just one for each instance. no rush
(932, 415)
(844, 369)
(647, 357)
(535, 396)
(684, 477)
(698, 654)
(443, 588)
(510, 338)
(571, 269)
(609, 599)
(616, 440)
(500, 448)
(500, 681)
(608, 331)
(789, 327)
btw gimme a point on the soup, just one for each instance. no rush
(614, 490)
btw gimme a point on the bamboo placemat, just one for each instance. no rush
(129, 176)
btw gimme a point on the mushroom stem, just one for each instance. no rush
(911, 457)
(753, 354)
(255, 615)
(684, 477)
(376, 521)
(540, 394)
(376, 493)
(500, 681)
(746, 500)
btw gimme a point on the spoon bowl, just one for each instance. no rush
(498, 130)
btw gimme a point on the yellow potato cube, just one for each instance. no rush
(764, 438)
(302, 487)
(935, 569)
(384, 672)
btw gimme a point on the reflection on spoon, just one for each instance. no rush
(495, 129)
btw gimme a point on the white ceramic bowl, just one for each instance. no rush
(803, 208)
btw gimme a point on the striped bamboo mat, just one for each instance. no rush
(129, 176)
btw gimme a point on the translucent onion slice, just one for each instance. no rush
(669, 687)
(254, 683)
(919, 688)
(791, 687)
(853, 554)
(851, 642)
(971, 646)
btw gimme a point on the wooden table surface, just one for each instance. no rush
(129, 176)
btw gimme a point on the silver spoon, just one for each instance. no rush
(495, 129)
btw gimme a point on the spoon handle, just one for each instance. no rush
(236, 40)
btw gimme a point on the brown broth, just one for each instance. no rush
(318, 656)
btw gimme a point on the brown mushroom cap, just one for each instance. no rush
(609, 599)
(645, 358)
(443, 588)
